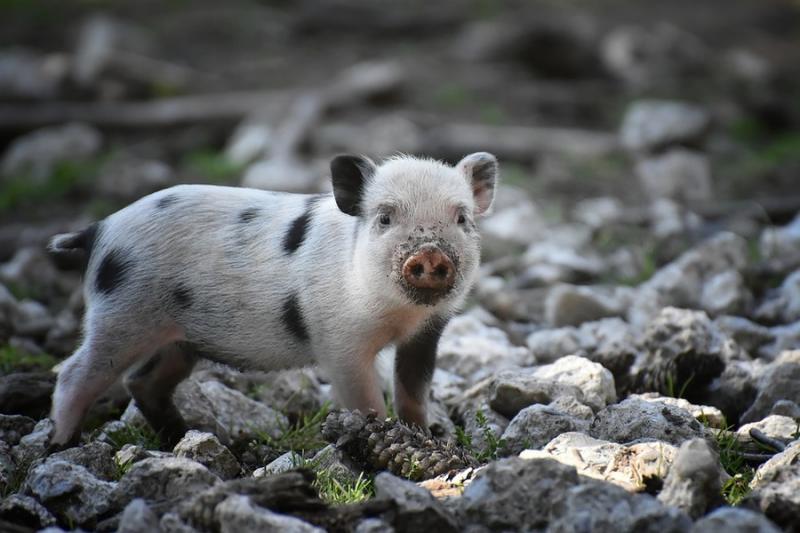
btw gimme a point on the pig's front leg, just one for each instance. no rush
(413, 370)
(355, 382)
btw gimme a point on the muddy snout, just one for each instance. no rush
(429, 268)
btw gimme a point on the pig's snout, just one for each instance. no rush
(429, 268)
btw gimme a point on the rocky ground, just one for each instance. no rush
(630, 358)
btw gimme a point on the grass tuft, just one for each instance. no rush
(333, 490)
(304, 435)
(142, 436)
(730, 456)
(15, 360)
(494, 444)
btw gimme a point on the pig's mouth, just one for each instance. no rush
(427, 271)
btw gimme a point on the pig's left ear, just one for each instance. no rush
(480, 169)
(349, 174)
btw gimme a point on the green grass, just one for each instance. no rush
(142, 436)
(672, 386)
(210, 166)
(494, 444)
(337, 491)
(304, 435)
(730, 456)
(14, 360)
(67, 178)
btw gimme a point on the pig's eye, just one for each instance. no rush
(385, 219)
(462, 219)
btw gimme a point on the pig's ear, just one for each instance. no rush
(480, 169)
(349, 174)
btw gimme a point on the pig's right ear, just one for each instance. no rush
(481, 170)
(349, 174)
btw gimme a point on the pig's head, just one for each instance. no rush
(416, 238)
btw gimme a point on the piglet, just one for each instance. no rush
(268, 280)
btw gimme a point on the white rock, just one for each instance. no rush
(469, 347)
(678, 174)
(596, 382)
(238, 514)
(628, 466)
(36, 153)
(775, 426)
(651, 124)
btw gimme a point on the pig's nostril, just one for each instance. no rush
(440, 271)
(417, 270)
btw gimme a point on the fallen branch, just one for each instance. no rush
(148, 114)
(521, 143)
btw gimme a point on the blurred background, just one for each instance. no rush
(627, 130)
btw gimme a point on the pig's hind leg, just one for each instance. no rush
(153, 384)
(110, 347)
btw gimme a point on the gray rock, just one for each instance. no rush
(572, 407)
(671, 222)
(34, 444)
(337, 463)
(694, 481)
(7, 468)
(572, 305)
(652, 124)
(503, 225)
(776, 488)
(294, 391)
(610, 342)
(281, 174)
(705, 414)
(25, 511)
(96, 457)
(780, 382)
(783, 305)
(598, 212)
(635, 420)
(160, 479)
(63, 336)
(284, 463)
(535, 426)
(785, 338)
(724, 293)
(633, 467)
(36, 154)
(227, 413)
(373, 525)
(681, 282)
(682, 353)
(26, 75)
(596, 383)
(468, 347)
(70, 491)
(32, 319)
(597, 506)
(781, 245)
(786, 408)
(238, 514)
(138, 518)
(678, 174)
(8, 309)
(775, 426)
(734, 519)
(516, 494)
(747, 334)
(734, 390)
(512, 391)
(14, 427)
(171, 522)
(126, 177)
(251, 140)
(415, 508)
(206, 449)
(647, 57)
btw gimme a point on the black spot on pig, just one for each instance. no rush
(166, 201)
(297, 230)
(113, 270)
(183, 296)
(292, 318)
(249, 214)
(416, 358)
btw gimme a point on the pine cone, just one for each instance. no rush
(393, 446)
